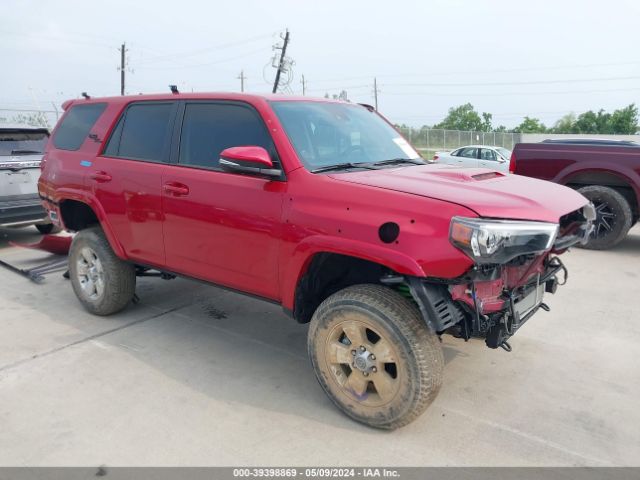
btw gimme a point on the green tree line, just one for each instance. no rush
(621, 121)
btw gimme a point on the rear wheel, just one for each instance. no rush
(374, 356)
(103, 283)
(613, 216)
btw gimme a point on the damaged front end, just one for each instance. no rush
(515, 265)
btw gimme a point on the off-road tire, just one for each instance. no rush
(416, 351)
(47, 228)
(119, 277)
(614, 203)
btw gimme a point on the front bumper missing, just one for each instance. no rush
(441, 313)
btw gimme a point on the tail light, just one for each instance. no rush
(512, 163)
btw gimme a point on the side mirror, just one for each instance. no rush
(250, 159)
(501, 159)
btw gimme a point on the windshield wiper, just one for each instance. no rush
(394, 161)
(342, 166)
(18, 152)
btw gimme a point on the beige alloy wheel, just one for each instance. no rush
(374, 356)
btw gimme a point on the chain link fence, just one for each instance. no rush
(431, 140)
(32, 117)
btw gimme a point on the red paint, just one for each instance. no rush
(564, 163)
(258, 234)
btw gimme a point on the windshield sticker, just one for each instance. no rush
(406, 148)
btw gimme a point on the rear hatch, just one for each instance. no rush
(21, 150)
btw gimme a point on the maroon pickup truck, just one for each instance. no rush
(607, 172)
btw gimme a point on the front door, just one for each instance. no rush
(222, 227)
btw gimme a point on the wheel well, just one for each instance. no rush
(606, 179)
(328, 273)
(77, 215)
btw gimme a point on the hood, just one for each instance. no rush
(489, 193)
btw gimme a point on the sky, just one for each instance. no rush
(510, 58)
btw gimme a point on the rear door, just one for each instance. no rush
(219, 226)
(126, 178)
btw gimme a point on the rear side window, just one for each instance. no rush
(209, 128)
(468, 153)
(143, 133)
(76, 125)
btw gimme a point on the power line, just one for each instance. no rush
(192, 53)
(228, 59)
(527, 82)
(481, 72)
(503, 94)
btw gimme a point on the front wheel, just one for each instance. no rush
(103, 283)
(613, 216)
(374, 356)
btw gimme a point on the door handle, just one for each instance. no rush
(100, 177)
(176, 189)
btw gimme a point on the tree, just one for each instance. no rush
(590, 122)
(465, 117)
(530, 125)
(565, 124)
(625, 120)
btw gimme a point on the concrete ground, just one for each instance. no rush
(194, 375)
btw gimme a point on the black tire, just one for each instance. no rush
(47, 228)
(613, 217)
(105, 286)
(408, 374)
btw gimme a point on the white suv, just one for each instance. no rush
(21, 149)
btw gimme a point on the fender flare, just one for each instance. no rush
(304, 252)
(92, 202)
(630, 177)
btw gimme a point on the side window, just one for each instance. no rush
(487, 154)
(469, 153)
(209, 128)
(455, 153)
(75, 126)
(143, 133)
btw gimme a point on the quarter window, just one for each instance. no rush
(76, 124)
(210, 128)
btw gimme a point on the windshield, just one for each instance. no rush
(325, 134)
(506, 154)
(22, 142)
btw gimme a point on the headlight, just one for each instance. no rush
(498, 241)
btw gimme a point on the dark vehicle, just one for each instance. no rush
(321, 207)
(607, 172)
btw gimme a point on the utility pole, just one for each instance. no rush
(242, 78)
(123, 50)
(281, 63)
(375, 92)
(304, 85)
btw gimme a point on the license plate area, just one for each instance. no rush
(530, 302)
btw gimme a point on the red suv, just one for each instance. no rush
(319, 206)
